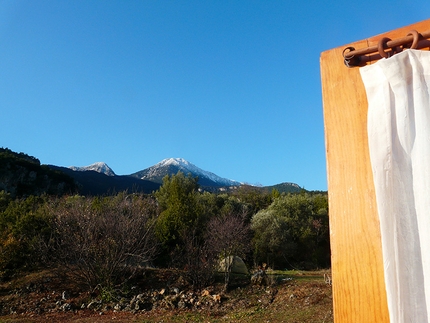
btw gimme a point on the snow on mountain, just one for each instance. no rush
(171, 166)
(99, 167)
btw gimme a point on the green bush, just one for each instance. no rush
(293, 232)
(25, 230)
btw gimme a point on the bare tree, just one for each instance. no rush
(195, 259)
(228, 236)
(103, 240)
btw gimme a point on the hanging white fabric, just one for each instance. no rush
(398, 96)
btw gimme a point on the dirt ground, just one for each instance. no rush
(50, 296)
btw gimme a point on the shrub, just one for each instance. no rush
(104, 240)
(293, 231)
(25, 229)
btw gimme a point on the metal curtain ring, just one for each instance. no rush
(416, 38)
(346, 60)
(345, 53)
(382, 44)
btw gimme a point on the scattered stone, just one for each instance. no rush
(64, 296)
(182, 304)
(94, 305)
(66, 307)
(175, 290)
(182, 298)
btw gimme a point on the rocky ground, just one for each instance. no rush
(163, 296)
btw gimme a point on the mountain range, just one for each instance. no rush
(149, 179)
(21, 174)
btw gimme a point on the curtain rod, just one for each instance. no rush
(355, 57)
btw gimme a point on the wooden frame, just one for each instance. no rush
(357, 268)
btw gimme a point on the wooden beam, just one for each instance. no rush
(357, 267)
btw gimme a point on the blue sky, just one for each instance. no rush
(231, 86)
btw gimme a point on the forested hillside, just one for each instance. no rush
(22, 175)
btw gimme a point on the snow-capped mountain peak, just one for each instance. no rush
(173, 165)
(99, 167)
(173, 161)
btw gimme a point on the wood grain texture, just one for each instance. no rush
(357, 267)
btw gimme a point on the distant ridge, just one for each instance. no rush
(286, 188)
(22, 175)
(92, 182)
(99, 167)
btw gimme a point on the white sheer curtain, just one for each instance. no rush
(399, 144)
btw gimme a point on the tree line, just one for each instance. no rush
(103, 240)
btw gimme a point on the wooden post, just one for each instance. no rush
(357, 268)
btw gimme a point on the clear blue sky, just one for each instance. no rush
(231, 86)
